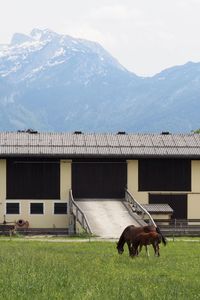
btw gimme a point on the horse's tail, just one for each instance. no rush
(164, 240)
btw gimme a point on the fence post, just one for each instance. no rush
(174, 227)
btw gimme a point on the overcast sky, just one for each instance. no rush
(145, 36)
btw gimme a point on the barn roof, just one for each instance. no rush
(32, 143)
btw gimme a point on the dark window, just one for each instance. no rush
(164, 175)
(177, 202)
(36, 208)
(60, 208)
(33, 179)
(12, 208)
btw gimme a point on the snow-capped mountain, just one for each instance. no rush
(28, 58)
(56, 82)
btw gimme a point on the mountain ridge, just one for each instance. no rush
(53, 82)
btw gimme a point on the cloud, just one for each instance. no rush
(115, 12)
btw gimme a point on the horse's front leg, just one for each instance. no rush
(137, 249)
(130, 248)
(140, 249)
(133, 249)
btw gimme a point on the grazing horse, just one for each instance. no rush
(129, 234)
(144, 239)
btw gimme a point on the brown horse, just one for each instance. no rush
(130, 233)
(144, 239)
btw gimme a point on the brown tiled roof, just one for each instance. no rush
(111, 145)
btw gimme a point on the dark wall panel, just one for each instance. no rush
(33, 179)
(164, 175)
(99, 178)
(177, 202)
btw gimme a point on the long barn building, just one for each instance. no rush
(37, 170)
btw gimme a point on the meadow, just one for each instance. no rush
(94, 270)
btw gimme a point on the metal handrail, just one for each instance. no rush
(138, 207)
(78, 213)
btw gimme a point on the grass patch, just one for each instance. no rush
(94, 270)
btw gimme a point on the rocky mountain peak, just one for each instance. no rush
(20, 38)
(56, 82)
(43, 34)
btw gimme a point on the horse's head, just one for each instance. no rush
(120, 248)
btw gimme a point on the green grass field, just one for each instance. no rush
(94, 270)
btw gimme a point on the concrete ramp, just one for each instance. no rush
(107, 217)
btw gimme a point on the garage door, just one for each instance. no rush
(99, 178)
(177, 202)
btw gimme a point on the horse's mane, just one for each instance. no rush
(121, 241)
(123, 236)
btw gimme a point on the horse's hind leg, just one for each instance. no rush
(155, 249)
(158, 250)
